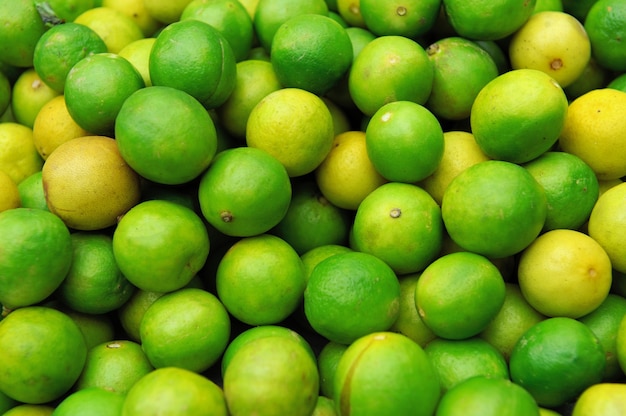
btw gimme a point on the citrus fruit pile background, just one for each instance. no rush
(313, 207)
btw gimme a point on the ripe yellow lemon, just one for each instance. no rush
(592, 131)
(607, 224)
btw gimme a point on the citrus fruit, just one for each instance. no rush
(593, 77)
(230, 18)
(385, 373)
(350, 295)
(60, 48)
(160, 245)
(403, 18)
(116, 28)
(564, 273)
(131, 313)
(458, 294)
(604, 321)
(165, 135)
(565, 54)
(487, 396)
(570, 185)
(271, 375)
(324, 407)
(255, 79)
(53, 126)
(96, 329)
(556, 359)
(91, 400)
(592, 130)
(175, 391)
(95, 89)
(456, 85)
(311, 220)
(311, 52)
(327, 362)
(347, 175)
(487, 20)
(512, 320)
(194, 57)
(294, 126)
(260, 280)
(21, 27)
(166, 11)
(350, 11)
(270, 14)
(261, 331)
(138, 54)
(399, 69)
(244, 192)
(30, 410)
(404, 141)
(311, 258)
(137, 11)
(606, 33)
(409, 323)
(10, 194)
(607, 224)
(28, 95)
(400, 224)
(513, 99)
(605, 399)
(460, 151)
(618, 83)
(43, 354)
(35, 253)
(458, 360)
(494, 208)
(68, 10)
(175, 330)
(88, 184)
(94, 284)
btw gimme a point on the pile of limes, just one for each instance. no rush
(313, 207)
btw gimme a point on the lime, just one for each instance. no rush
(131, 313)
(385, 373)
(95, 89)
(138, 12)
(350, 295)
(271, 375)
(294, 126)
(350, 11)
(518, 115)
(138, 54)
(327, 362)
(96, 329)
(174, 330)
(60, 48)
(494, 208)
(324, 407)
(244, 192)
(93, 400)
(390, 68)
(18, 155)
(88, 184)
(21, 27)
(165, 135)
(607, 223)
(458, 294)
(43, 354)
(10, 192)
(409, 322)
(260, 280)
(173, 390)
(30, 410)
(35, 256)
(94, 283)
(166, 11)
(116, 28)
(404, 141)
(400, 224)
(556, 359)
(311, 258)
(403, 18)
(28, 95)
(601, 399)
(462, 69)
(179, 60)
(160, 245)
(606, 33)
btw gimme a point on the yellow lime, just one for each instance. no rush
(28, 95)
(165, 135)
(409, 322)
(592, 130)
(179, 60)
(30, 410)
(347, 174)
(400, 224)
(160, 245)
(607, 223)
(519, 115)
(166, 11)
(458, 294)
(404, 18)
(606, 33)
(294, 126)
(602, 399)
(21, 27)
(556, 360)
(390, 68)
(137, 11)
(260, 280)
(350, 11)
(9, 193)
(88, 184)
(350, 295)
(138, 54)
(60, 48)
(116, 28)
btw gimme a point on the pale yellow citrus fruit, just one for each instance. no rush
(28, 95)
(165, 11)
(18, 155)
(9, 193)
(602, 399)
(137, 11)
(138, 54)
(116, 28)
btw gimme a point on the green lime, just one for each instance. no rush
(96, 329)
(21, 26)
(30, 410)
(605, 31)
(93, 400)
(31, 192)
(409, 322)
(29, 94)
(412, 18)
(131, 313)
(311, 258)
(327, 362)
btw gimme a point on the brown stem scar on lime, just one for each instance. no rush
(395, 213)
(401, 11)
(556, 64)
(226, 216)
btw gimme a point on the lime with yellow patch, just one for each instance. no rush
(607, 223)
(28, 95)
(116, 28)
